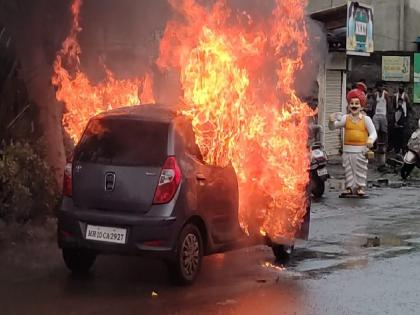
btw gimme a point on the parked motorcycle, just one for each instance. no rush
(318, 170)
(412, 157)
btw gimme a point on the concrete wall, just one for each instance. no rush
(318, 5)
(386, 21)
(412, 26)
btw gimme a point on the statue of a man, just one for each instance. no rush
(359, 137)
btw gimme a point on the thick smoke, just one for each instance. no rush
(124, 37)
(306, 85)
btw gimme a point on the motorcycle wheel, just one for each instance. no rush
(317, 186)
(406, 170)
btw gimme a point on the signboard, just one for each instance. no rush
(359, 28)
(416, 96)
(396, 68)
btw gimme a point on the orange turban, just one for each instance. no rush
(356, 93)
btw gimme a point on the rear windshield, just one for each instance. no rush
(123, 142)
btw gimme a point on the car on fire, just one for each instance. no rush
(137, 185)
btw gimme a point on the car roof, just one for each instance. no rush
(145, 112)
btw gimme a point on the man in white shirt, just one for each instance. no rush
(380, 114)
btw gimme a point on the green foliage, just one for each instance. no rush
(27, 186)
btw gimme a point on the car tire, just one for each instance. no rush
(78, 260)
(188, 256)
(282, 252)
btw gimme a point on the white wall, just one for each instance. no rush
(386, 18)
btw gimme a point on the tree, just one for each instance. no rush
(36, 29)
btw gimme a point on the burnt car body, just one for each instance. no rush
(137, 185)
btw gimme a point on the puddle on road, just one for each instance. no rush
(321, 259)
(317, 265)
(396, 226)
(393, 252)
(413, 240)
(330, 249)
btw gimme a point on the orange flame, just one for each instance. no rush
(237, 75)
(238, 89)
(84, 99)
(272, 266)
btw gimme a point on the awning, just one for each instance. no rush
(332, 18)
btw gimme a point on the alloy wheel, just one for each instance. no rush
(190, 256)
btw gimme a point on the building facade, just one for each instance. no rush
(396, 25)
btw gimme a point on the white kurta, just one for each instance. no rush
(354, 156)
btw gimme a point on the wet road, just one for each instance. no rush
(338, 271)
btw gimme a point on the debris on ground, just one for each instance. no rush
(372, 242)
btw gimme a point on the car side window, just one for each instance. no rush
(188, 137)
(191, 145)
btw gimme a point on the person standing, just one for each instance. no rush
(406, 105)
(399, 127)
(359, 136)
(381, 113)
(402, 108)
(371, 102)
(361, 85)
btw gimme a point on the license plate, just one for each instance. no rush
(322, 172)
(106, 234)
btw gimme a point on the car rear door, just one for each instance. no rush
(117, 164)
(221, 200)
(216, 189)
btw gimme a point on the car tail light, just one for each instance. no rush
(169, 180)
(67, 180)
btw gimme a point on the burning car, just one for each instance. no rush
(138, 185)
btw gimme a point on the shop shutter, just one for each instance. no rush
(333, 99)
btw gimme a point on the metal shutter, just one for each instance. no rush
(333, 99)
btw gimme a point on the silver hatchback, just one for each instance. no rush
(137, 185)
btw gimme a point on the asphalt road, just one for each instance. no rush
(338, 271)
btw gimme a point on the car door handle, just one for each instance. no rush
(200, 176)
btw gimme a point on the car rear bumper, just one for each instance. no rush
(146, 235)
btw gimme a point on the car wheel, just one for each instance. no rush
(188, 256)
(282, 252)
(78, 260)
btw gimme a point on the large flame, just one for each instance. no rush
(238, 87)
(82, 98)
(237, 76)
